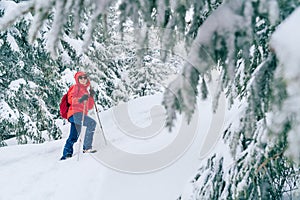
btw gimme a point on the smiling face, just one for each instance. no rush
(83, 79)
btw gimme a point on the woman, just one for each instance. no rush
(80, 103)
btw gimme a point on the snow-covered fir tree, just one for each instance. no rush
(147, 77)
(232, 36)
(28, 79)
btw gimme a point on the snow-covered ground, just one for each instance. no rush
(34, 171)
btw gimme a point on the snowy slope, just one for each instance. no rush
(34, 171)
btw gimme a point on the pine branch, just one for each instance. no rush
(264, 164)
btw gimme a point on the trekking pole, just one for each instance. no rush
(100, 123)
(99, 120)
(80, 135)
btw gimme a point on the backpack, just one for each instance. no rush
(64, 105)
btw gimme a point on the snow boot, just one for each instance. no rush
(89, 151)
(66, 157)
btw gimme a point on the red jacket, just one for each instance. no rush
(75, 93)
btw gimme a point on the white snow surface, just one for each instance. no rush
(34, 171)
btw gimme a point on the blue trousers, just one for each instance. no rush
(75, 131)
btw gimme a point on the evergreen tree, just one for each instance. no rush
(30, 93)
(260, 169)
(148, 77)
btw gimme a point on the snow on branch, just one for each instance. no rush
(55, 13)
(42, 11)
(285, 43)
(13, 11)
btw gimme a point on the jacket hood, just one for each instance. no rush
(80, 73)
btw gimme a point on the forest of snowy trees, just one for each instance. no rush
(33, 82)
(113, 41)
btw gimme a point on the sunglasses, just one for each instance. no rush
(82, 77)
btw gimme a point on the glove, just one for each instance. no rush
(92, 92)
(83, 98)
